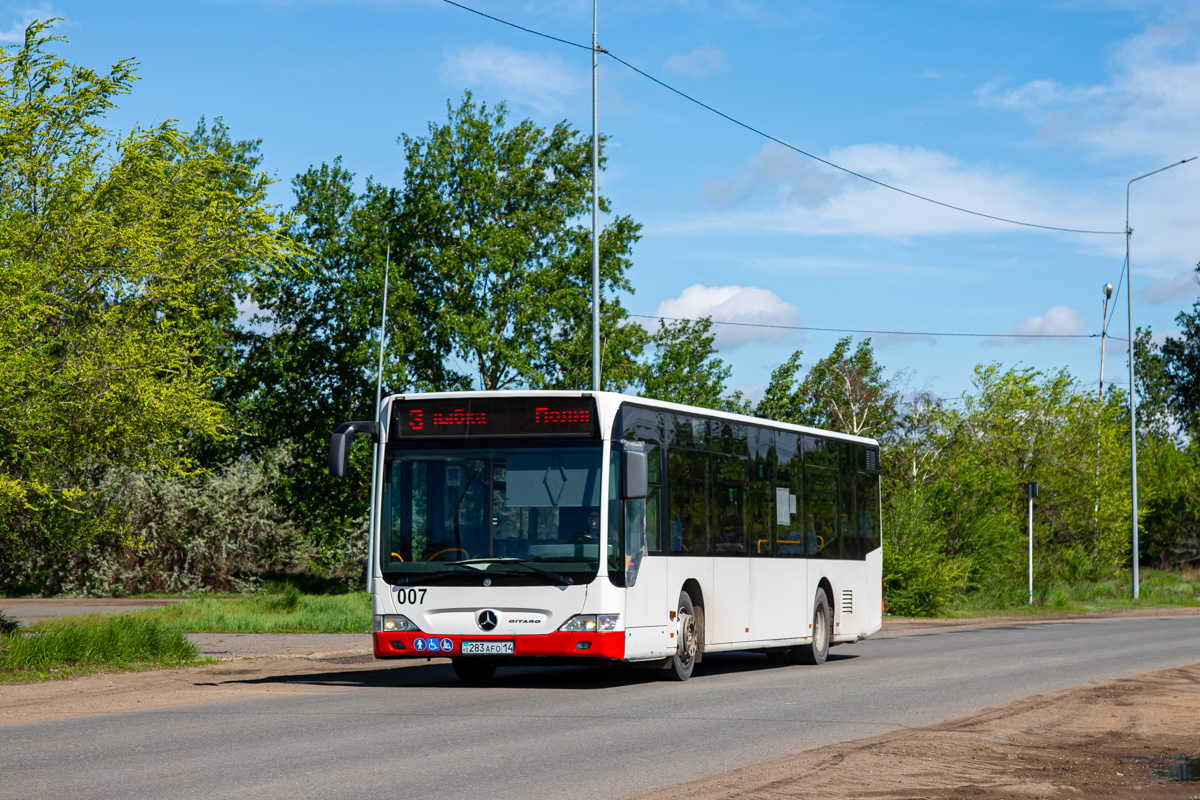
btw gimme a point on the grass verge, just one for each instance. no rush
(279, 608)
(119, 642)
(1156, 588)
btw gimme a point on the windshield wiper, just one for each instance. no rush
(565, 580)
(456, 572)
(424, 577)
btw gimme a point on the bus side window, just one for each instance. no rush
(688, 502)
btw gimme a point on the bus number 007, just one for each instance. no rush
(411, 597)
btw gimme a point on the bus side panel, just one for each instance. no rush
(779, 598)
(872, 611)
(646, 602)
(727, 616)
(647, 613)
(850, 596)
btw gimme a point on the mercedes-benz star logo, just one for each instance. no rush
(486, 620)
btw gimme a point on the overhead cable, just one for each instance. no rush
(783, 143)
(885, 332)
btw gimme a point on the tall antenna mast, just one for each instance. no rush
(377, 456)
(595, 209)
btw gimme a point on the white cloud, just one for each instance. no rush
(1150, 106)
(1183, 285)
(16, 31)
(741, 304)
(541, 82)
(780, 191)
(700, 63)
(1058, 321)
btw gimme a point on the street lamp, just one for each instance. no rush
(1132, 393)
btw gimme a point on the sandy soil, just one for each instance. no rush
(1100, 740)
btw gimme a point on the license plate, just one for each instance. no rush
(487, 648)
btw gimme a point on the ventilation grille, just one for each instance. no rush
(847, 601)
(873, 461)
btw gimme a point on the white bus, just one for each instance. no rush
(592, 527)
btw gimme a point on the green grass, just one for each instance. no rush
(279, 608)
(125, 641)
(1157, 588)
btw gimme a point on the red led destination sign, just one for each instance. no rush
(479, 417)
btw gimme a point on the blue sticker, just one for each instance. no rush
(419, 644)
(447, 645)
(432, 644)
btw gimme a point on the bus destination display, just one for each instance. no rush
(494, 416)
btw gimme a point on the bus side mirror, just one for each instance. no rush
(634, 475)
(339, 444)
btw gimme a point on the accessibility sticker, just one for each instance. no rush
(432, 644)
(447, 645)
(419, 644)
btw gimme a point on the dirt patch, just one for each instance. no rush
(1096, 741)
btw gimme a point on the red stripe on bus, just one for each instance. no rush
(557, 644)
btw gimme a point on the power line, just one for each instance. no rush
(781, 142)
(883, 332)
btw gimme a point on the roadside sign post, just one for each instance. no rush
(1031, 490)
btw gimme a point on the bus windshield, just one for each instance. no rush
(514, 515)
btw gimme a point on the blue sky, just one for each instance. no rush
(1036, 111)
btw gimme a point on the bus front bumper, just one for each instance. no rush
(410, 644)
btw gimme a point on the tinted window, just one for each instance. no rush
(788, 499)
(847, 517)
(688, 502)
(820, 506)
(760, 508)
(729, 505)
(868, 512)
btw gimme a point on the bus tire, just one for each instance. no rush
(471, 670)
(681, 665)
(816, 651)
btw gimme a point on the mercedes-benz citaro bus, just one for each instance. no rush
(592, 527)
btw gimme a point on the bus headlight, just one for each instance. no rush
(391, 623)
(590, 623)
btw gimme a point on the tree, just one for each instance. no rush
(492, 238)
(111, 254)
(843, 392)
(310, 361)
(685, 367)
(1182, 364)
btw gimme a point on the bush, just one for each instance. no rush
(919, 580)
(213, 532)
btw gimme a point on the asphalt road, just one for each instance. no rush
(549, 733)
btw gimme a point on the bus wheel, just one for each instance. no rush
(684, 661)
(816, 652)
(470, 670)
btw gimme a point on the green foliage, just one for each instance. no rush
(113, 253)
(8, 624)
(1169, 503)
(685, 367)
(1181, 356)
(919, 579)
(113, 642)
(843, 392)
(207, 532)
(492, 235)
